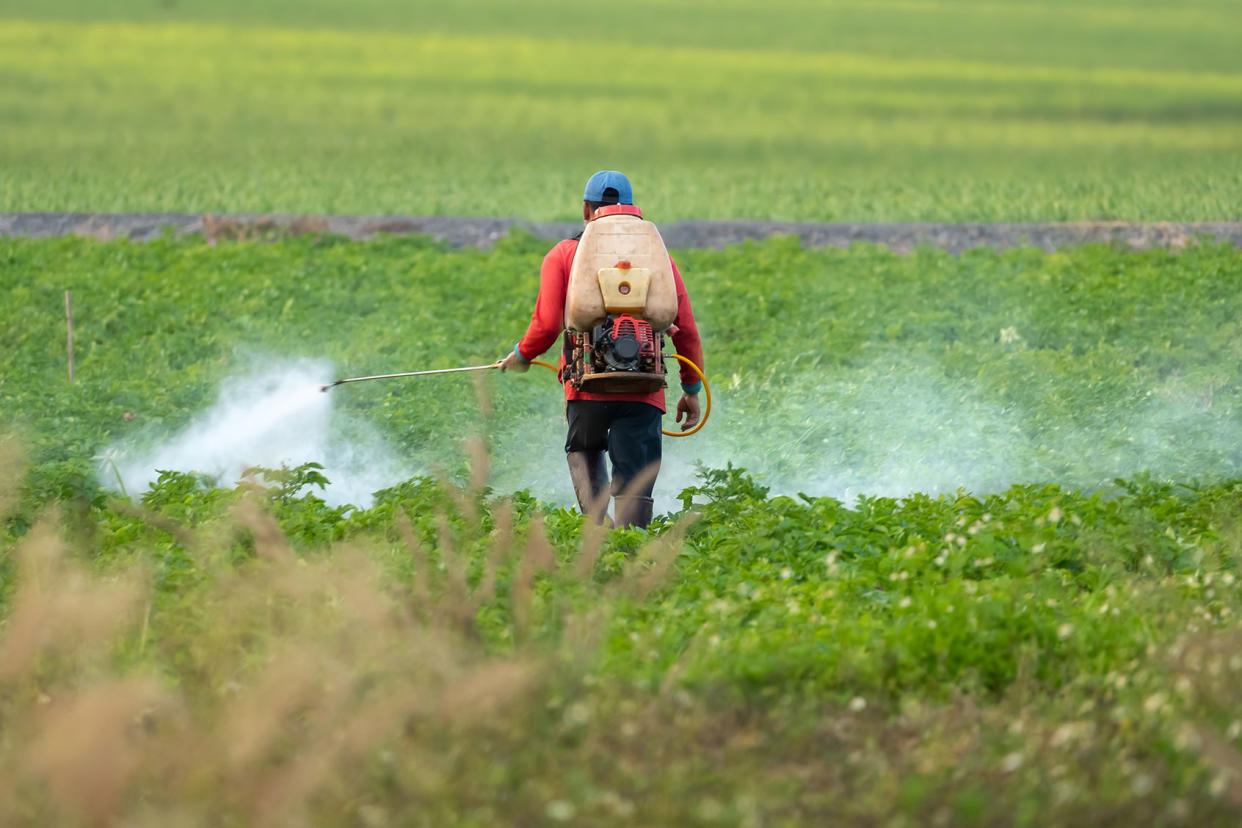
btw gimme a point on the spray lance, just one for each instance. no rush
(412, 374)
(707, 410)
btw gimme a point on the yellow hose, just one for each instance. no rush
(706, 388)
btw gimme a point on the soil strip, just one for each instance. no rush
(484, 232)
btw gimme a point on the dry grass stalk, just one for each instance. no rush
(293, 672)
(88, 746)
(59, 609)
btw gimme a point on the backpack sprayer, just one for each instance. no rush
(707, 409)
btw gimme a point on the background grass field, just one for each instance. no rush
(835, 372)
(792, 110)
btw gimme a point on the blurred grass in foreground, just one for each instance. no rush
(249, 656)
(889, 111)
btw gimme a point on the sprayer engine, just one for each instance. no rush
(625, 344)
(622, 355)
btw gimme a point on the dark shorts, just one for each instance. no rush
(630, 433)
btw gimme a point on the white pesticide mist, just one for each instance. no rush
(273, 417)
(891, 426)
(898, 425)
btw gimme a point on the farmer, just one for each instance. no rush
(626, 424)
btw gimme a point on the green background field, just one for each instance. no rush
(834, 372)
(902, 110)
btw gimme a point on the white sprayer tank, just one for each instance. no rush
(621, 266)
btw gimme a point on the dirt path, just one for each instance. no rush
(483, 232)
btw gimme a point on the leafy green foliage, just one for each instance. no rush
(1054, 623)
(833, 371)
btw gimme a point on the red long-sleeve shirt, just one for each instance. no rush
(548, 321)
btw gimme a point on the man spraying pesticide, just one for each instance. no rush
(615, 292)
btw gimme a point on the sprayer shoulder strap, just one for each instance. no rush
(571, 357)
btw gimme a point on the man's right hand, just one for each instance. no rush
(512, 362)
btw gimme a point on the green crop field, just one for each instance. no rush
(959, 545)
(857, 111)
(809, 635)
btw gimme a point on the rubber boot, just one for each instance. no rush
(588, 470)
(633, 512)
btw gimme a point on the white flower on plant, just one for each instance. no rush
(786, 574)
(904, 602)
(1065, 734)
(858, 703)
(560, 810)
(1065, 631)
(1009, 335)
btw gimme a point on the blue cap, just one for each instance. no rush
(604, 179)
